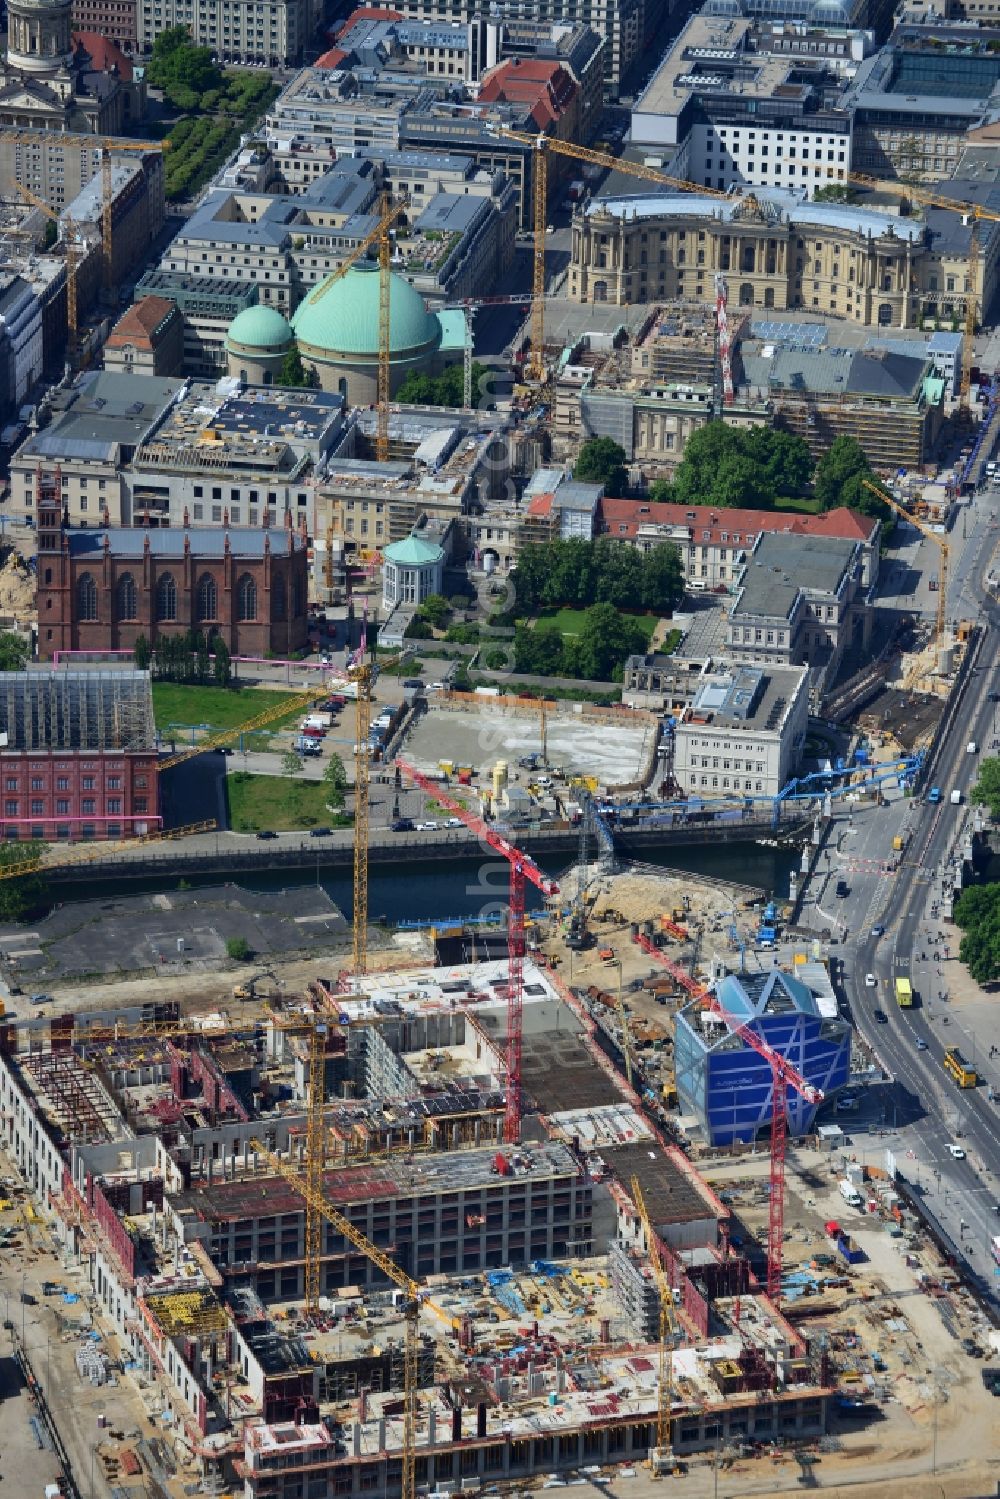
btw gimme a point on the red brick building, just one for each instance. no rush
(80, 759)
(100, 590)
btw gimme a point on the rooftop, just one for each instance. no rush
(778, 204)
(751, 699)
(204, 541)
(782, 566)
(704, 523)
(227, 425)
(103, 417)
(883, 374)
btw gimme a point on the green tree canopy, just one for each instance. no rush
(605, 639)
(15, 651)
(977, 912)
(602, 461)
(577, 573)
(986, 791)
(436, 610)
(293, 373)
(20, 896)
(839, 473)
(335, 781)
(738, 468)
(446, 389)
(183, 71)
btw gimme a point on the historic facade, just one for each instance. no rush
(874, 268)
(100, 590)
(49, 83)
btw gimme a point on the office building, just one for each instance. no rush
(275, 35)
(79, 759)
(728, 1086)
(148, 339)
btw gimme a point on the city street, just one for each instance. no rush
(928, 1110)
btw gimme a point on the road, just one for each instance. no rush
(930, 1111)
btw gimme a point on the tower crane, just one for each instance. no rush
(978, 215)
(226, 736)
(108, 145)
(939, 541)
(90, 853)
(415, 1298)
(522, 868)
(362, 671)
(668, 1333)
(72, 256)
(783, 1076)
(374, 236)
(384, 336)
(543, 145)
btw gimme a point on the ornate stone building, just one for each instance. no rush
(100, 590)
(876, 268)
(46, 82)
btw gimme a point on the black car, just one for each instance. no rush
(319, 832)
(403, 825)
(843, 889)
(267, 833)
(881, 1018)
(991, 1378)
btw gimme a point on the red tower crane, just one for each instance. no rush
(521, 868)
(783, 1075)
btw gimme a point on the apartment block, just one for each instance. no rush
(276, 34)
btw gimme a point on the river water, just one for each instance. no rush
(469, 887)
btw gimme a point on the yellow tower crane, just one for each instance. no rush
(543, 145)
(362, 672)
(72, 253)
(939, 542)
(977, 213)
(90, 853)
(661, 1458)
(226, 736)
(415, 1298)
(384, 335)
(109, 145)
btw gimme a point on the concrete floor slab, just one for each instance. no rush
(614, 752)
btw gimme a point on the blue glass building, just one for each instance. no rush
(727, 1085)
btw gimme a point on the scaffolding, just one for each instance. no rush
(76, 1100)
(187, 1314)
(77, 710)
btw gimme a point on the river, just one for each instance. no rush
(471, 887)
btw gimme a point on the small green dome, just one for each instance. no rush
(343, 317)
(260, 328)
(413, 552)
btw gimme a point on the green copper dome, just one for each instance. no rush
(259, 328)
(413, 552)
(342, 317)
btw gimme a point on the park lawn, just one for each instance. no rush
(220, 707)
(258, 803)
(570, 621)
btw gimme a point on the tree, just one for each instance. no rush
(237, 948)
(291, 769)
(436, 610)
(446, 389)
(602, 461)
(977, 912)
(222, 668)
(845, 461)
(986, 792)
(50, 234)
(335, 781)
(142, 655)
(732, 468)
(183, 71)
(293, 373)
(606, 638)
(20, 896)
(540, 651)
(14, 651)
(418, 629)
(662, 578)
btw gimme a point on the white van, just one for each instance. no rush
(697, 585)
(850, 1194)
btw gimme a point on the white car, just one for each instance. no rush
(956, 1151)
(455, 822)
(871, 982)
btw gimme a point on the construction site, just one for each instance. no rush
(335, 1236)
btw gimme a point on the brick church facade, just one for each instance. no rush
(100, 590)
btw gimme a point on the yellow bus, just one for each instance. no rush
(904, 994)
(957, 1068)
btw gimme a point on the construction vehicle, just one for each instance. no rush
(247, 988)
(958, 1069)
(904, 994)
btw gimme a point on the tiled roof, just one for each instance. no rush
(624, 518)
(105, 55)
(142, 319)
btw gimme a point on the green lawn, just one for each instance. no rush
(570, 621)
(803, 506)
(220, 707)
(256, 803)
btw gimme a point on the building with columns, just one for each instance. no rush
(871, 266)
(47, 82)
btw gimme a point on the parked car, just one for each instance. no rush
(319, 832)
(266, 833)
(404, 825)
